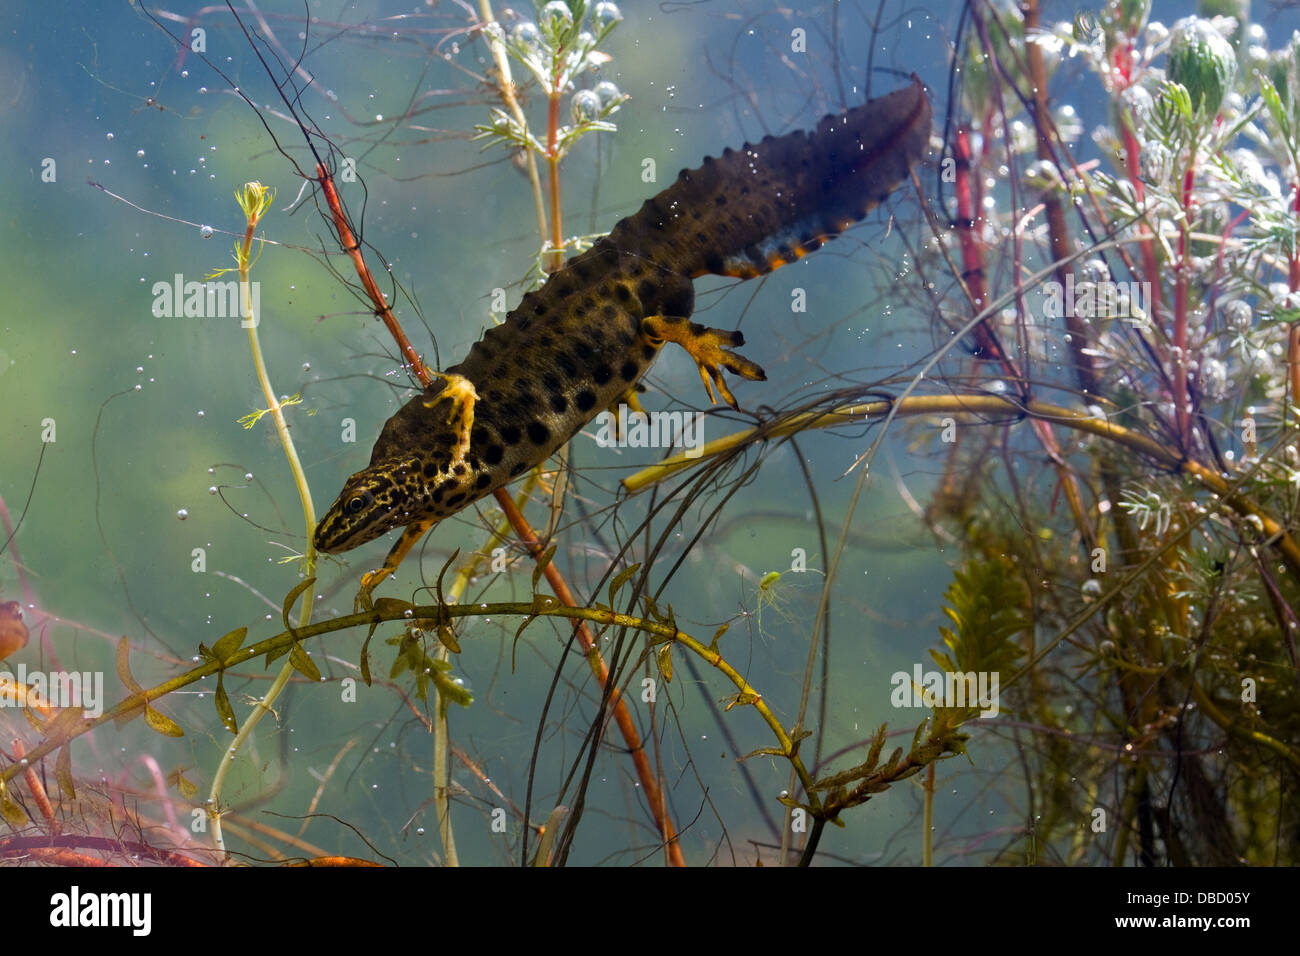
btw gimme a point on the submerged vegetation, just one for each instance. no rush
(1100, 441)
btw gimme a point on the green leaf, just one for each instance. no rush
(542, 562)
(288, 603)
(713, 645)
(666, 662)
(621, 579)
(765, 752)
(303, 663)
(226, 646)
(124, 667)
(447, 638)
(13, 813)
(63, 771)
(160, 722)
(187, 788)
(515, 644)
(364, 662)
(224, 710)
(449, 689)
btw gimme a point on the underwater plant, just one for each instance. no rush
(997, 566)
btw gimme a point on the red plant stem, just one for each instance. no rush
(553, 170)
(645, 774)
(1146, 247)
(973, 275)
(382, 309)
(649, 782)
(969, 218)
(1293, 339)
(1180, 356)
(47, 847)
(1053, 206)
(37, 788)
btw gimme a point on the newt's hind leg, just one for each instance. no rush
(705, 345)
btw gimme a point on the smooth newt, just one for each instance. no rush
(574, 346)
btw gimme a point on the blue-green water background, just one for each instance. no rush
(96, 88)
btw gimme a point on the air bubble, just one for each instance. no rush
(585, 106)
(608, 92)
(605, 17)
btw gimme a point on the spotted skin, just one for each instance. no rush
(573, 347)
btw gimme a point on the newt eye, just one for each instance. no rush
(359, 503)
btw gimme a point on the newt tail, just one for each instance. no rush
(573, 347)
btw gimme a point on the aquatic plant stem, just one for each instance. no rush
(1181, 268)
(349, 244)
(441, 732)
(255, 200)
(971, 280)
(1057, 231)
(553, 169)
(984, 407)
(392, 609)
(506, 89)
(1133, 166)
(927, 818)
(627, 727)
(1293, 334)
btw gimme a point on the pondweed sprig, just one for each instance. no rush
(556, 49)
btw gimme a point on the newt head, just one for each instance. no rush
(421, 470)
(373, 502)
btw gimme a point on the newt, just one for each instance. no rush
(574, 346)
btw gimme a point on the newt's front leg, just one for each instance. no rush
(371, 579)
(705, 345)
(461, 417)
